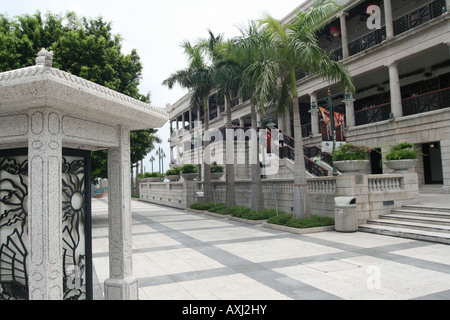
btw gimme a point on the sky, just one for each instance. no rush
(156, 29)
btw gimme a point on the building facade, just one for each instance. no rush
(398, 53)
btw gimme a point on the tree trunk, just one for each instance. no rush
(229, 156)
(136, 187)
(207, 188)
(301, 203)
(257, 195)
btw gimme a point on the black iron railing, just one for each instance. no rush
(373, 114)
(419, 16)
(368, 41)
(409, 21)
(435, 100)
(310, 166)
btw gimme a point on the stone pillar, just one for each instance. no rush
(241, 122)
(314, 114)
(445, 154)
(388, 19)
(191, 124)
(396, 95)
(45, 267)
(349, 110)
(287, 124)
(121, 285)
(344, 34)
(183, 121)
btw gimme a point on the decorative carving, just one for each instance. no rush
(13, 251)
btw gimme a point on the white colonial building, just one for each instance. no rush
(401, 70)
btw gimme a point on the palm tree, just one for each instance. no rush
(197, 77)
(297, 48)
(254, 53)
(227, 79)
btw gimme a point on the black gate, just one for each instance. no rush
(76, 224)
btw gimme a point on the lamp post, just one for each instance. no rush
(333, 134)
(152, 159)
(161, 155)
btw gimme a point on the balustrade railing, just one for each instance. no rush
(385, 183)
(321, 185)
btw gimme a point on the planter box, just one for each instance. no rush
(173, 177)
(189, 176)
(216, 175)
(401, 165)
(351, 165)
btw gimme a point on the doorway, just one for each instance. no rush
(432, 163)
(375, 161)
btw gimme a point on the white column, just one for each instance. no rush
(389, 19)
(191, 125)
(396, 95)
(45, 263)
(344, 34)
(183, 121)
(121, 285)
(349, 111)
(314, 114)
(241, 122)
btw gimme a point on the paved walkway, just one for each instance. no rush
(181, 255)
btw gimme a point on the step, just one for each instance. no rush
(417, 218)
(419, 207)
(422, 213)
(408, 233)
(411, 225)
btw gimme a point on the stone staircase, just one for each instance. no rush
(418, 222)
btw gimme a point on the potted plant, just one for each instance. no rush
(173, 174)
(216, 171)
(189, 172)
(402, 157)
(351, 158)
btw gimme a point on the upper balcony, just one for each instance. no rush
(406, 16)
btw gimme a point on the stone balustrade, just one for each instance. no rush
(375, 194)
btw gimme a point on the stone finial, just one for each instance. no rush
(44, 58)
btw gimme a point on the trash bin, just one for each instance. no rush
(345, 215)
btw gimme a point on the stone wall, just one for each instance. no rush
(172, 194)
(375, 194)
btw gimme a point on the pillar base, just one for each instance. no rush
(122, 289)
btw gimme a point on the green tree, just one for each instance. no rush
(84, 47)
(198, 78)
(296, 47)
(227, 78)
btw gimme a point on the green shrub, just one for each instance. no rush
(188, 168)
(246, 213)
(312, 222)
(173, 172)
(216, 168)
(152, 175)
(218, 206)
(401, 151)
(202, 206)
(349, 151)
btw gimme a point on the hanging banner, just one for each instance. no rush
(325, 127)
